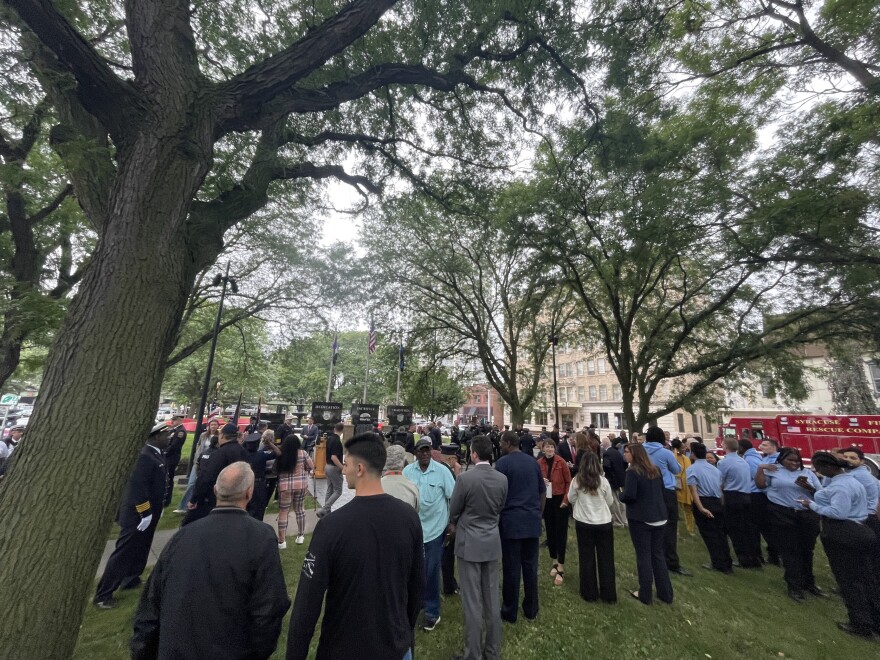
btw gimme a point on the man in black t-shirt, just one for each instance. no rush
(368, 613)
(333, 469)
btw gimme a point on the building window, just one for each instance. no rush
(874, 368)
(477, 398)
(603, 392)
(601, 362)
(593, 393)
(580, 368)
(708, 425)
(599, 420)
(616, 393)
(541, 418)
(562, 371)
(562, 393)
(591, 367)
(680, 419)
(618, 421)
(569, 369)
(695, 423)
(581, 396)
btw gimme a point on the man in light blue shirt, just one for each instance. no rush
(760, 510)
(435, 483)
(666, 462)
(704, 481)
(737, 482)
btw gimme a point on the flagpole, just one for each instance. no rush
(399, 371)
(366, 374)
(332, 362)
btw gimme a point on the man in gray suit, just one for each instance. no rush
(479, 496)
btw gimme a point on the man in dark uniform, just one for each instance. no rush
(138, 516)
(284, 430)
(526, 442)
(228, 452)
(176, 438)
(260, 453)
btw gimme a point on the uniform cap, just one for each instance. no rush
(230, 430)
(161, 426)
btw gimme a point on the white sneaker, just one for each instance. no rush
(300, 539)
(282, 546)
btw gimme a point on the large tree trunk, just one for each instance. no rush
(64, 482)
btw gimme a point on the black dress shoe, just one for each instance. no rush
(796, 595)
(817, 592)
(857, 632)
(681, 570)
(108, 604)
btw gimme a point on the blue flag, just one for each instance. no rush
(401, 357)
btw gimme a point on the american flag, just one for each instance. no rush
(372, 343)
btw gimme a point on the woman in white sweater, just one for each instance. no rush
(590, 498)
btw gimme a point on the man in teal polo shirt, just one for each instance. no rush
(435, 483)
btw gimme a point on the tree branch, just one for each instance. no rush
(99, 89)
(244, 95)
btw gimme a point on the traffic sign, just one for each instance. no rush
(8, 400)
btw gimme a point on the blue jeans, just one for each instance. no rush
(408, 655)
(433, 557)
(190, 487)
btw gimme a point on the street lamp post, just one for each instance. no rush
(225, 280)
(554, 340)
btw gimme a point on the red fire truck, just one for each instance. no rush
(810, 433)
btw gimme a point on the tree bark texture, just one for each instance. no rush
(109, 359)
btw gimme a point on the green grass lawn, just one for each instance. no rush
(747, 615)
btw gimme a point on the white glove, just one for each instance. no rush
(145, 522)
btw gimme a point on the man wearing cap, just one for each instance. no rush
(7, 445)
(229, 451)
(435, 483)
(176, 440)
(138, 516)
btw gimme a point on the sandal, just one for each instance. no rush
(560, 576)
(554, 570)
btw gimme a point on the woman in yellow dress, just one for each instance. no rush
(682, 492)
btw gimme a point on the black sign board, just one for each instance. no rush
(363, 416)
(399, 415)
(326, 414)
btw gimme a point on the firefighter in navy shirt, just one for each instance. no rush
(139, 514)
(176, 440)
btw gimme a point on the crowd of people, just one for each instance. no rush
(424, 526)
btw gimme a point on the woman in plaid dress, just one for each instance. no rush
(294, 466)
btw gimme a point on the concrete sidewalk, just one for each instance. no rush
(164, 535)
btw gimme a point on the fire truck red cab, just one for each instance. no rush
(810, 433)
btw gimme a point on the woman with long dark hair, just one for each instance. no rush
(646, 513)
(793, 527)
(848, 541)
(294, 466)
(591, 499)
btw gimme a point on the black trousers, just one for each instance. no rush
(596, 550)
(873, 523)
(849, 546)
(260, 500)
(713, 532)
(519, 559)
(171, 463)
(796, 531)
(741, 528)
(761, 513)
(556, 524)
(129, 559)
(670, 530)
(648, 542)
(447, 568)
